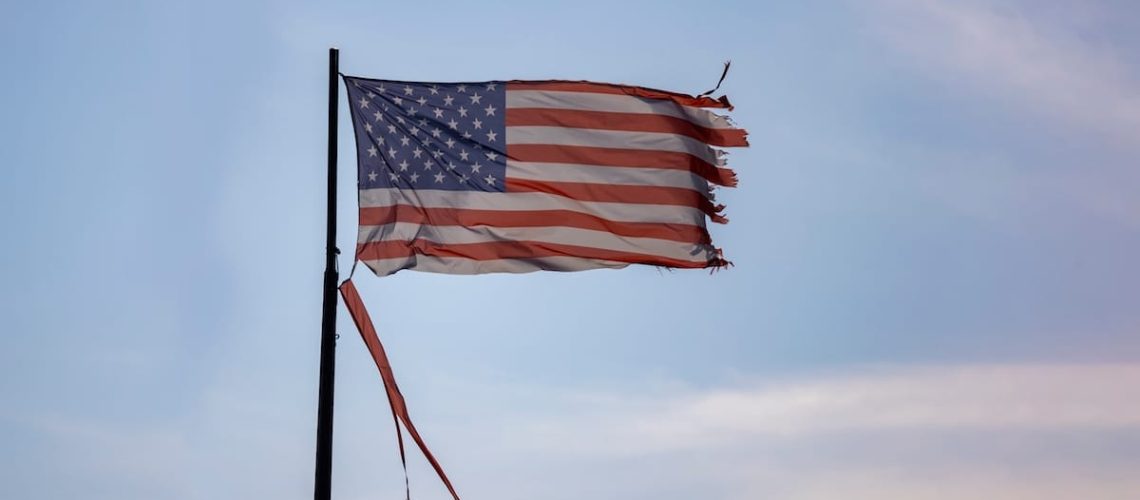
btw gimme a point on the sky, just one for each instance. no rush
(935, 294)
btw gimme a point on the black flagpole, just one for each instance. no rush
(323, 487)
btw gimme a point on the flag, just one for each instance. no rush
(519, 176)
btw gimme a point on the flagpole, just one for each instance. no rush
(323, 486)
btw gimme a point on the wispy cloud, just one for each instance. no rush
(990, 431)
(1039, 431)
(1018, 55)
(1023, 398)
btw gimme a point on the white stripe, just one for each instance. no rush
(459, 235)
(570, 172)
(590, 101)
(457, 265)
(617, 212)
(654, 141)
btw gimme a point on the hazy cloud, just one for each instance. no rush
(995, 431)
(1032, 397)
(1019, 55)
(964, 431)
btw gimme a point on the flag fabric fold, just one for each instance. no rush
(520, 176)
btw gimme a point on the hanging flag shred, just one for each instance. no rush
(396, 401)
(520, 176)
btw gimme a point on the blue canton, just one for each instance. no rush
(429, 135)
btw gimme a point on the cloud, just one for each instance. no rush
(1040, 431)
(950, 398)
(1020, 56)
(919, 432)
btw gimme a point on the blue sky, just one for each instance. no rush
(935, 292)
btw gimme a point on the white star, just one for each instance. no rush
(434, 90)
(490, 179)
(467, 135)
(462, 111)
(392, 152)
(439, 178)
(413, 111)
(447, 99)
(461, 88)
(398, 101)
(407, 90)
(391, 129)
(450, 166)
(490, 110)
(435, 132)
(422, 100)
(475, 98)
(370, 94)
(380, 140)
(463, 178)
(363, 103)
(414, 131)
(423, 122)
(437, 153)
(372, 176)
(368, 127)
(428, 164)
(393, 176)
(377, 116)
(438, 113)
(415, 177)
(382, 88)
(463, 155)
(372, 151)
(417, 152)
(450, 143)
(400, 120)
(404, 166)
(453, 124)
(491, 136)
(491, 155)
(490, 86)
(475, 168)
(478, 124)
(404, 140)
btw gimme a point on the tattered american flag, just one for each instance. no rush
(519, 176)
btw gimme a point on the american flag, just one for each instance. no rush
(519, 176)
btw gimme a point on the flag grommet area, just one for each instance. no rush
(520, 176)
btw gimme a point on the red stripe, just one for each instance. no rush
(631, 122)
(684, 233)
(609, 88)
(614, 157)
(515, 250)
(616, 193)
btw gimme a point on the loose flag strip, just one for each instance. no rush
(520, 176)
(399, 408)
